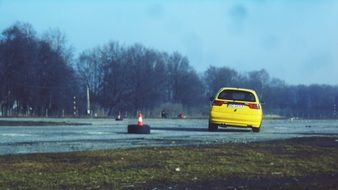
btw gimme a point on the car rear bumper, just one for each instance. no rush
(236, 120)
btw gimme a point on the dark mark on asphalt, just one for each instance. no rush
(311, 134)
(198, 129)
(37, 123)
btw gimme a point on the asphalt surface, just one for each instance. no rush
(111, 134)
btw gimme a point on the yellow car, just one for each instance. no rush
(236, 107)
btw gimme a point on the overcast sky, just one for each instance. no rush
(294, 40)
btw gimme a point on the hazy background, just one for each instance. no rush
(296, 41)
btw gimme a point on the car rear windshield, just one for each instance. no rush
(237, 95)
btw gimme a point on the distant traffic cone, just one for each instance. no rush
(140, 120)
(119, 117)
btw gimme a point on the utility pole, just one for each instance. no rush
(74, 107)
(88, 101)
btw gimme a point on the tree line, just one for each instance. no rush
(35, 73)
(40, 76)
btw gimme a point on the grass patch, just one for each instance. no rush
(306, 163)
(37, 123)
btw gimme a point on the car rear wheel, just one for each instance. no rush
(256, 130)
(212, 127)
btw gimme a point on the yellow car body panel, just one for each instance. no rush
(236, 112)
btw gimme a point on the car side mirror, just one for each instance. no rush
(262, 103)
(211, 98)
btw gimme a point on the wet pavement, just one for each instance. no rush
(111, 134)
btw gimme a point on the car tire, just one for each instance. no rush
(212, 127)
(145, 129)
(256, 130)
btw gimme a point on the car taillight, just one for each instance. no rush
(217, 103)
(254, 106)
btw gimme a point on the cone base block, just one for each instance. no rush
(145, 129)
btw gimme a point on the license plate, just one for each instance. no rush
(235, 106)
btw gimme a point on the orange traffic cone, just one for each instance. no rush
(139, 128)
(140, 120)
